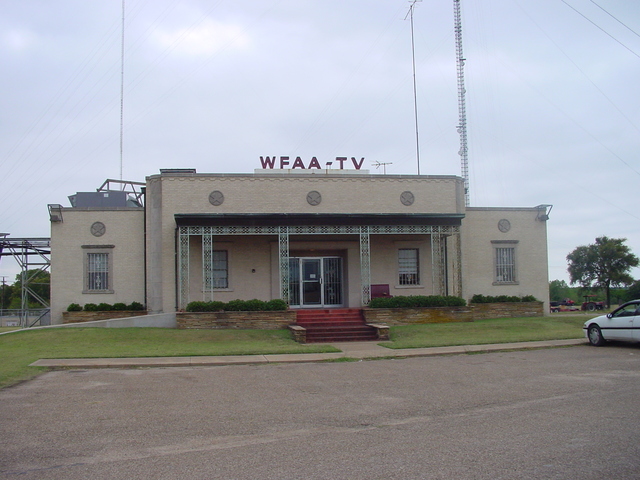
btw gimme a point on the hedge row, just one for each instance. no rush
(502, 299)
(105, 307)
(238, 306)
(413, 301)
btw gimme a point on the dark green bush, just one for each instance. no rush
(238, 306)
(136, 306)
(501, 299)
(415, 301)
(90, 307)
(74, 307)
(105, 307)
(276, 305)
(120, 307)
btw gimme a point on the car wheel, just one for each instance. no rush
(595, 336)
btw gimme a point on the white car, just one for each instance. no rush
(621, 324)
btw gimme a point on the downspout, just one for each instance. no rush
(144, 249)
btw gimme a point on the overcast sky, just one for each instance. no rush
(553, 109)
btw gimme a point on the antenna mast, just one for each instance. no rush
(415, 92)
(122, 90)
(462, 109)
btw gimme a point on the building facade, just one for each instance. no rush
(331, 238)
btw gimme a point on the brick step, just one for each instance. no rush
(342, 338)
(341, 328)
(324, 321)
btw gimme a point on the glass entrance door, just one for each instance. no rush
(315, 281)
(311, 281)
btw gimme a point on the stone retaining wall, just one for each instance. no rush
(244, 320)
(78, 317)
(474, 311)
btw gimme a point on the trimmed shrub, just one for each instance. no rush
(119, 307)
(104, 307)
(136, 307)
(238, 306)
(417, 301)
(502, 299)
(74, 307)
(91, 307)
(276, 304)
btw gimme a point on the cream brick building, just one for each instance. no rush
(330, 238)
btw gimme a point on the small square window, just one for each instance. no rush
(97, 272)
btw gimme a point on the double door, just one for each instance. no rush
(315, 282)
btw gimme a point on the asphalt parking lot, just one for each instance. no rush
(560, 413)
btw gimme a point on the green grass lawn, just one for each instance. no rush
(503, 330)
(18, 350)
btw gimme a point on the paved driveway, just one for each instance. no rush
(560, 413)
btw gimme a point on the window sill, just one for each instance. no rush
(97, 292)
(506, 283)
(218, 290)
(409, 286)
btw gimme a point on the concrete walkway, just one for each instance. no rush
(354, 350)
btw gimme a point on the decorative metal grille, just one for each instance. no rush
(505, 265)
(438, 264)
(97, 271)
(283, 241)
(332, 280)
(207, 266)
(408, 266)
(365, 265)
(183, 266)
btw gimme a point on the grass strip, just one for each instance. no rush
(18, 350)
(503, 330)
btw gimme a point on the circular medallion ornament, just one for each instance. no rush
(407, 198)
(504, 225)
(216, 198)
(98, 229)
(314, 198)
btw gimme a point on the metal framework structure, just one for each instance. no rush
(134, 188)
(444, 239)
(33, 256)
(462, 108)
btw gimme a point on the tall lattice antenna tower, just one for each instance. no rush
(462, 108)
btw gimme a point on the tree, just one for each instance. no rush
(38, 283)
(559, 290)
(633, 292)
(604, 264)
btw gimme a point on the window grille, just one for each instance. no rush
(97, 271)
(505, 264)
(408, 266)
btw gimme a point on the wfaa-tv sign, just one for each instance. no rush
(285, 163)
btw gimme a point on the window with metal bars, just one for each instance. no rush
(97, 272)
(408, 266)
(505, 264)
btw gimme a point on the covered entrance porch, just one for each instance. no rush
(306, 280)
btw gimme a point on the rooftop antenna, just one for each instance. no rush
(122, 90)
(383, 165)
(462, 109)
(415, 94)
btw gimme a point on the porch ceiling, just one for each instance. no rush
(291, 219)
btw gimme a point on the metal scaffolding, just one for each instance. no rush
(33, 255)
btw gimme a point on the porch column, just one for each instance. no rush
(207, 264)
(457, 263)
(183, 267)
(438, 262)
(365, 265)
(283, 241)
